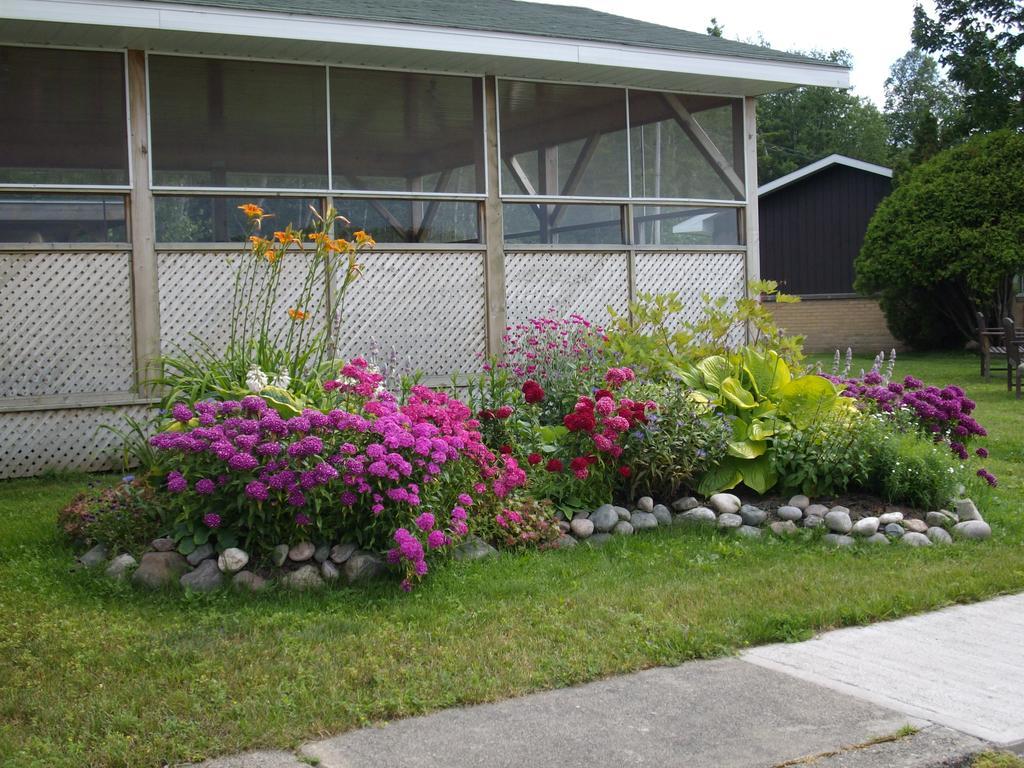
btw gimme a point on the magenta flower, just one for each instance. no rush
(176, 482)
(181, 412)
(205, 487)
(211, 520)
(257, 491)
(425, 521)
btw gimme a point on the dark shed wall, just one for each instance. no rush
(812, 230)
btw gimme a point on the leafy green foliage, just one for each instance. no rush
(829, 456)
(909, 469)
(124, 517)
(949, 239)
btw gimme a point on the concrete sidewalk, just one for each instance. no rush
(957, 675)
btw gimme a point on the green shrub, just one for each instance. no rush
(830, 456)
(124, 517)
(910, 469)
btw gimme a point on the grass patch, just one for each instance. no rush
(95, 673)
(997, 760)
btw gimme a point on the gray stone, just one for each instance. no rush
(279, 554)
(329, 571)
(893, 508)
(972, 529)
(838, 520)
(200, 553)
(322, 552)
(878, 538)
(915, 539)
(160, 569)
(662, 514)
(565, 541)
(582, 528)
(966, 511)
(938, 535)
(813, 521)
(248, 581)
(642, 521)
(163, 544)
(783, 527)
(623, 513)
(752, 515)
(341, 552)
(604, 518)
(301, 552)
(914, 525)
(563, 526)
(748, 532)
(623, 528)
(800, 501)
(889, 517)
(473, 548)
(838, 540)
(866, 526)
(819, 510)
(894, 529)
(232, 560)
(685, 504)
(120, 565)
(729, 520)
(365, 566)
(598, 539)
(206, 578)
(940, 518)
(725, 503)
(696, 516)
(645, 504)
(95, 556)
(306, 577)
(580, 514)
(787, 512)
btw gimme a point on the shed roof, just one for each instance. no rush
(820, 165)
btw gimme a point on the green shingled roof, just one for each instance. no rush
(513, 16)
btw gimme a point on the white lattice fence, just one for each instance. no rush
(68, 323)
(73, 439)
(428, 309)
(566, 281)
(691, 275)
(196, 295)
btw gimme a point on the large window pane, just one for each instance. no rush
(402, 131)
(563, 224)
(218, 123)
(686, 146)
(413, 221)
(666, 225)
(62, 219)
(64, 117)
(181, 219)
(563, 140)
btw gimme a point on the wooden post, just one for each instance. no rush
(145, 290)
(494, 266)
(750, 163)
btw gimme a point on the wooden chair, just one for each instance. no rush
(1014, 349)
(990, 345)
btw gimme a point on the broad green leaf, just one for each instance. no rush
(767, 371)
(201, 536)
(805, 399)
(715, 369)
(282, 401)
(723, 477)
(760, 429)
(734, 392)
(758, 474)
(747, 449)
(187, 546)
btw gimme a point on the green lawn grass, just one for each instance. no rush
(95, 673)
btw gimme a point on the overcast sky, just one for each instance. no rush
(876, 32)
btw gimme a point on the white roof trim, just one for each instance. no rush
(173, 17)
(821, 165)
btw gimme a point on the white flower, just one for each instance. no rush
(256, 380)
(281, 380)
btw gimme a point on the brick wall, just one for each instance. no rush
(831, 324)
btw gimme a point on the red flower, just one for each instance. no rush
(504, 412)
(625, 471)
(603, 393)
(579, 421)
(555, 465)
(506, 449)
(486, 414)
(532, 391)
(580, 462)
(534, 458)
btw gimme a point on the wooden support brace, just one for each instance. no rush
(705, 144)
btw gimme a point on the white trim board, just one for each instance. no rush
(202, 21)
(820, 165)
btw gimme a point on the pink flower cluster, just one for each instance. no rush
(542, 346)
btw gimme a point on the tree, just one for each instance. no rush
(800, 126)
(915, 92)
(978, 42)
(949, 241)
(715, 29)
